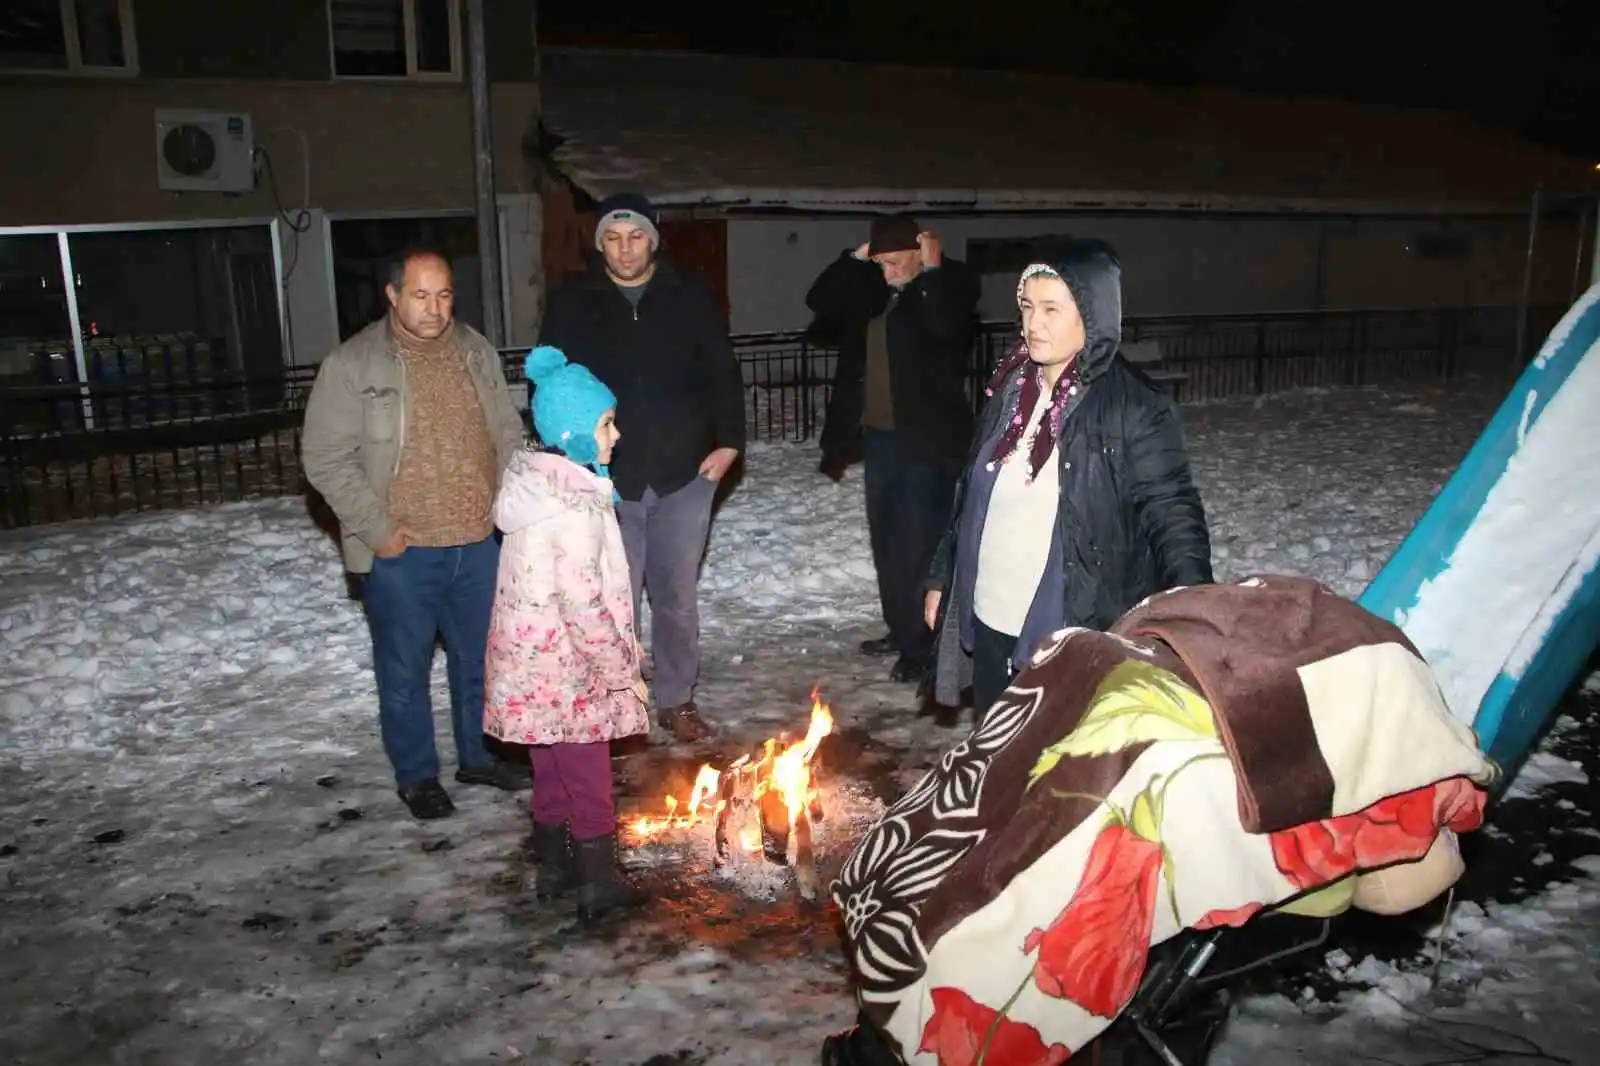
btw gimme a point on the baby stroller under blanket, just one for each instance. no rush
(1226, 750)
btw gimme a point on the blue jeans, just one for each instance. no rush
(411, 599)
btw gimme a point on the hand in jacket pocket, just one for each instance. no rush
(395, 545)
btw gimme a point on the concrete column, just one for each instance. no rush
(312, 316)
(523, 225)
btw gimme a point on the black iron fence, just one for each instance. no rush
(69, 452)
(170, 428)
(1198, 357)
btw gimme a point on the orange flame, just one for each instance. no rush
(790, 774)
(787, 772)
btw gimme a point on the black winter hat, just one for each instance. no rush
(893, 233)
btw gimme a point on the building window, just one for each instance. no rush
(1009, 255)
(1441, 246)
(67, 36)
(395, 38)
(362, 248)
(174, 324)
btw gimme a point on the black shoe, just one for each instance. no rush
(880, 646)
(684, 723)
(862, 1045)
(500, 775)
(603, 889)
(907, 670)
(553, 869)
(427, 800)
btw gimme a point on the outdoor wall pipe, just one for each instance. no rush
(1527, 282)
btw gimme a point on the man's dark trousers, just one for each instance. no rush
(909, 494)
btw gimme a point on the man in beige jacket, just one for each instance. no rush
(407, 430)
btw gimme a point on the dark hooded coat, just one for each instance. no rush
(1130, 522)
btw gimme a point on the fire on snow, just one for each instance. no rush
(785, 775)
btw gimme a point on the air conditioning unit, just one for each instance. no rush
(204, 151)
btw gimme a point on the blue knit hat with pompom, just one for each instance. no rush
(567, 404)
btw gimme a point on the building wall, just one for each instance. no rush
(374, 148)
(82, 151)
(1186, 265)
(90, 147)
(287, 40)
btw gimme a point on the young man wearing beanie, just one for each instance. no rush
(905, 314)
(654, 335)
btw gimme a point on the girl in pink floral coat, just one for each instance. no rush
(562, 666)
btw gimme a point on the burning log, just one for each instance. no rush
(814, 802)
(805, 859)
(732, 810)
(760, 807)
(774, 828)
(721, 842)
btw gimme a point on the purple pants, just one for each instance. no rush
(572, 783)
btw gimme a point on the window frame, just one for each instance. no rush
(408, 14)
(76, 68)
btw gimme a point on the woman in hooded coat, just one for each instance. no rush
(1076, 501)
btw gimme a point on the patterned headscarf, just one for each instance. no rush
(1066, 388)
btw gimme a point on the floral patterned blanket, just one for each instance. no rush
(1225, 749)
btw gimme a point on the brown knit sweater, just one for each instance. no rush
(443, 491)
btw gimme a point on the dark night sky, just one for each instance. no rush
(1530, 65)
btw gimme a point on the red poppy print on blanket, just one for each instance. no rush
(1397, 829)
(1227, 916)
(960, 1026)
(1094, 952)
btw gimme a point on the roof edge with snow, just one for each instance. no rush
(747, 133)
(1015, 201)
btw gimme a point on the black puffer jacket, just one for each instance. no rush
(1130, 518)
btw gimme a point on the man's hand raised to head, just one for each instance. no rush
(932, 249)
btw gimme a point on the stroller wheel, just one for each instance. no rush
(1182, 1041)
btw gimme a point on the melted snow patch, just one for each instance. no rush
(1542, 770)
(1521, 971)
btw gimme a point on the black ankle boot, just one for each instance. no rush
(602, 887)
(553, 867)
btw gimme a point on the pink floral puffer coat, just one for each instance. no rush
(562, 653)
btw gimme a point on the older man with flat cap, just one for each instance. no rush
(906, 315)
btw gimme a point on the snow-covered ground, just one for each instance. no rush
(202, 859)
